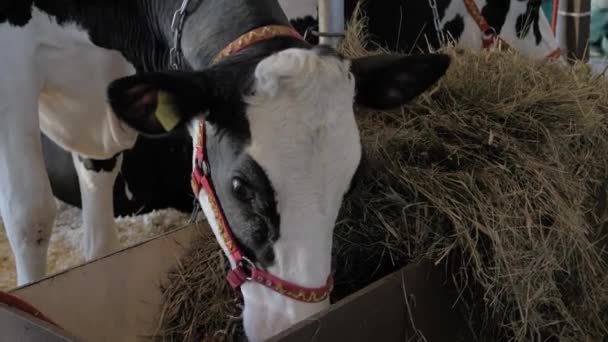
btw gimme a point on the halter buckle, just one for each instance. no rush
(241, 274)
(489, 33)
(489, 37)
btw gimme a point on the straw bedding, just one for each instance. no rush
(501, 167)
(65, 245)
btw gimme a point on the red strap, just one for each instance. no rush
(554, 16)
(238, 277)
(201, 179)
(291, 290)
(19, 304)
(257, 35)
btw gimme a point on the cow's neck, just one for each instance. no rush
(217, 23)
(141, 30)
(138, 29)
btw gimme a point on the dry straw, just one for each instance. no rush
(501, 166)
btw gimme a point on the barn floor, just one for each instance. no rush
(64, 250)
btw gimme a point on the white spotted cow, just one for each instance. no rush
(276, 144)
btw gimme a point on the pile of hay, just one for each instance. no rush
(501, 167)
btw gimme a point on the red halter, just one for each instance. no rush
(245, 269)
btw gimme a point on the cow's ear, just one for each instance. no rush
(154, 104)
(389, 81)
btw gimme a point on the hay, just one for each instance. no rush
(198, 303)
(500, 169)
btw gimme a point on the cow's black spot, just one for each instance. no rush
(256, 222)
(495, 12)
(15, 12)
(529, 19)
(454, 28)
(99, 165)
(306, 23)
(522, 26)
(400, 25)
(442, 6)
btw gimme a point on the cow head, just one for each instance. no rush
(283, 146)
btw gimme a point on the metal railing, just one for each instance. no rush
(331, 22)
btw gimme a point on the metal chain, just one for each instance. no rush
(195, 211)
(175, 54)
(177, 26)
(437, 22)
(313, 30)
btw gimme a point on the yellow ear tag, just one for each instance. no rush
(166, 111)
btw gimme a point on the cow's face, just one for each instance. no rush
(283, 148)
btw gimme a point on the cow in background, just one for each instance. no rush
(409, 26)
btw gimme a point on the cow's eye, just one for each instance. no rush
(241, 190)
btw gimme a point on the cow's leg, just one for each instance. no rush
(96, 179)
(27, 205)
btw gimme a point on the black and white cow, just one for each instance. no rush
(282, 142)
(395, 24)
(407, 25)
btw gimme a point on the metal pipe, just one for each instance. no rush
(331, 22)
(573, 25)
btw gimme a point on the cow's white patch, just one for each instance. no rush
(304, 136)
(53, 78)
(73, 109)
(128, 194)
